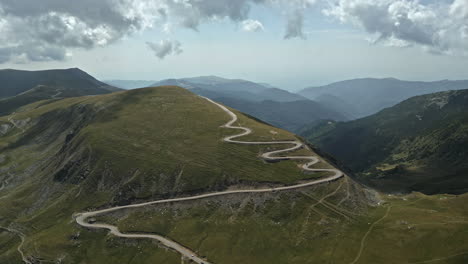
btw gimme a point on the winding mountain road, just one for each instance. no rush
(82, 218)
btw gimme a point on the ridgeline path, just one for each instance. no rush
(81, 218)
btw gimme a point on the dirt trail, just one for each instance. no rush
(20, 246)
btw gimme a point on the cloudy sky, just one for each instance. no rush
(289, 43)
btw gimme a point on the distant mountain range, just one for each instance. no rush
(273, 105)
(417, 145)
(129, 84)
(363, 97)
(62, 157)
(345, 100)
(292, 116)
(276, 106)
(232, 88)
(19, 88)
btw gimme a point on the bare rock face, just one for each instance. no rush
(22, 123)
(440, 100)
(4, 128)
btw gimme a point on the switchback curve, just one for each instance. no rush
(81, 218)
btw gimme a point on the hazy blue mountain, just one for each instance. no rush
(273, 105)
(338, 104)
(130, 84)
(420, 144)
(232, 88)
(288, 115)
(276, 94)
(364, 97)
(214, 83)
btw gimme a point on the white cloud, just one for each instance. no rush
(164, 48)
(54, 27)
(459, 8)
(48, 29)
(251, 25)
(440, 28)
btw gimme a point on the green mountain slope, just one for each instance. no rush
(312, 226)
(420, 144)
(14, 82)
(159, 128)
(72, 154)
(19, 88)
(85, 153)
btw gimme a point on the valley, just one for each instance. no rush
(363, 97)
(417, 145)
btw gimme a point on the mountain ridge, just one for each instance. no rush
(273, 105)
(416, 145)
(84, 154)
(370, 95)
(15, 82)
(20, 88)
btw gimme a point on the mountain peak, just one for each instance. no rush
(391, 79)
(75, 80)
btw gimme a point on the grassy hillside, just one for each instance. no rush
(10, 104)
(300, 227)
(75, 154)
(14, 82)
(419, 144)
(164, 130)
(62, 157)
(19, 88)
